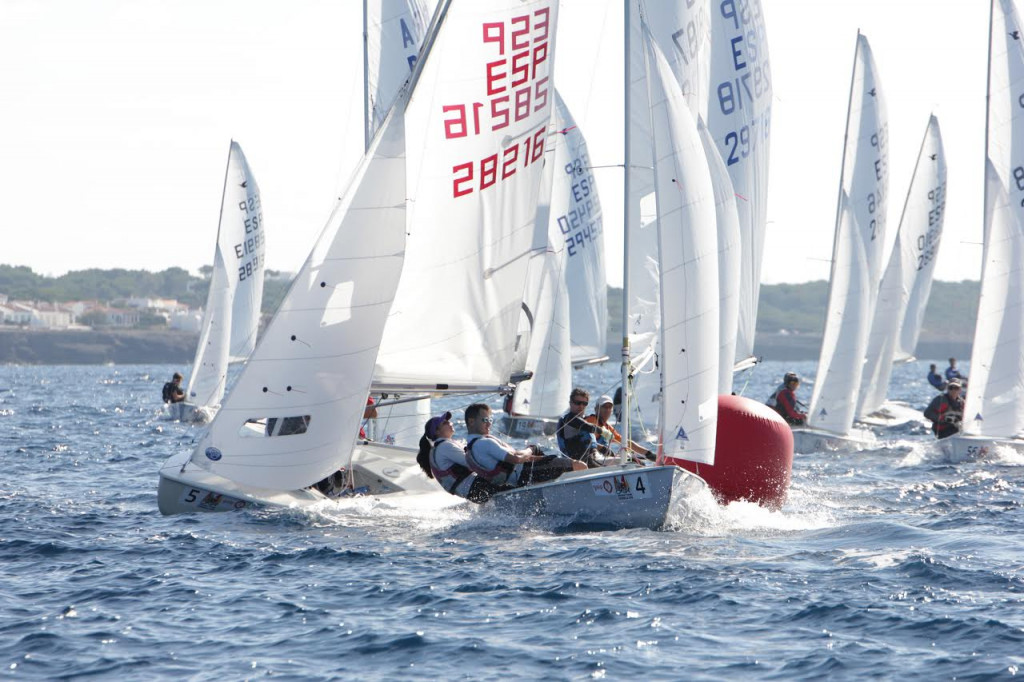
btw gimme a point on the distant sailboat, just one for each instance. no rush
(907, 282)
(856, 266)
(231, 317)
(994, 407)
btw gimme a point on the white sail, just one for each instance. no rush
(841, 363)
(729, 261)
(231, 317)
(688, 263)
(923, 244)
(860, 217)
(393, 34)
(544, 323)
(680, 30)
(995, 404)
(995, 396)
(576, 213)
(477, 151)
(315, 363)
(739, 118)
(909, 273)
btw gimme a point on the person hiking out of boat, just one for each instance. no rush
(946, 411)
(953, 373)
(503, 465)
(369, 412)
(443, 459)
(935, 379)
(602, 413)
(172, 392)
(784, 401)
(577, 438)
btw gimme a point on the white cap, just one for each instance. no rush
(604, 400)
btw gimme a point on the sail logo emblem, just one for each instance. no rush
(978, 417)
(213, 454)
(681, 434)
(823, 413)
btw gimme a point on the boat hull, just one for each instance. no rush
(376, 469)
(807, 440)
(965, 448)
(616, 497)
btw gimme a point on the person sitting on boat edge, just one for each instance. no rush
(444, 459)
(602, 412)
(935, 379)
(946, 411)
(577, 438)
(953, 373)
(503, 465)
(172, 391)
(784, 401)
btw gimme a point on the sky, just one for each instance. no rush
(116, 116)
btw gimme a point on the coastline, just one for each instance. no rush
(87, 347)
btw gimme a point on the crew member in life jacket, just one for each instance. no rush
(602, 414)
(935, 379)
(172, 392)
(503, 465)
(784, 401)
(577, 438)
(946, 411)
(444, 459)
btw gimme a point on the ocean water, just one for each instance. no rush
(891, 563)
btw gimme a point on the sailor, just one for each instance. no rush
(602, 413)
(172, 392)
(935, 379)
(946, 411)
(784, 401)
(577, 438)
(503, 465)
(952, 372)
(444, 459)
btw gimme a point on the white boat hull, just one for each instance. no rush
(376, 469)
(965, 448)
(807, 440)
(619, 497)
(187, 413)
(893, 414)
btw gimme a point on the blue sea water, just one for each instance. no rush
(883, 564)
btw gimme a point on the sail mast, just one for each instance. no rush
(988, 117)
(366, 82)
(624, 410)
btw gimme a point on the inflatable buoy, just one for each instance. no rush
(753, 454)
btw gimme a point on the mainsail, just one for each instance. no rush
(908, 277)
(739, 118)
(995, 396)
(231, 317)
(471, 185)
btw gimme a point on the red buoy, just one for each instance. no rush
(753, 454)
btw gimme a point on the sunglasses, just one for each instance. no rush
(487, 420)
(582, 403)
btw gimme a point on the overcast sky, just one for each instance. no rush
(115, 119)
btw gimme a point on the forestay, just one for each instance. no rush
(477, 126)
(231, 317)
(739, 117)
(908, 277)
(688, 263)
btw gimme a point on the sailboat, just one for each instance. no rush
(684, 253)
(411, 284)
(903, 294)
(231, 317)
(561, 299)
(856, 265)
(994, 408)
